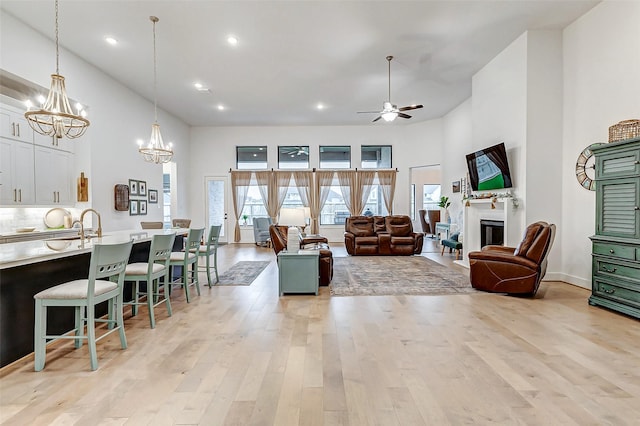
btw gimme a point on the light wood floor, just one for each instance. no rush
(244, 356)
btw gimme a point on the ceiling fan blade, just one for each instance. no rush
(378, 118)
(368, 112)
(410, 107)
(400, 114)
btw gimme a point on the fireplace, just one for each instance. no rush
(491, 232)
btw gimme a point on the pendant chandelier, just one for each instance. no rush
(155, 151)
(55, 117)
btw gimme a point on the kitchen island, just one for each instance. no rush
(29, 267)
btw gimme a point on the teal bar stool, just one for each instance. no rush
(211, 248)
(151, 271)
(107, 261)
(186, 258)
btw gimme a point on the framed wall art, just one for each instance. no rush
(142, 188)
(133, 208)
(153, 196)
(455, 186)
(133, 187)
(142, 207)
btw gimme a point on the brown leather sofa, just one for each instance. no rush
(514, 270)
(381, 235)
(278, 236)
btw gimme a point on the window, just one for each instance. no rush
(376, 156)
(166, 200)
(334, 211)
(335, 157)
(431, 196)
(254, 205)
(293, 157)
(251, 157)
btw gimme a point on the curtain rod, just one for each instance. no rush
(313, 170)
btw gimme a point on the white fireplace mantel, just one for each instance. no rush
(483, 209)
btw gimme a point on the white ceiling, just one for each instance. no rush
(294, 54)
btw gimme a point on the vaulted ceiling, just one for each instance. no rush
(293, 55)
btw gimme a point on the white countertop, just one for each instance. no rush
(28, 252)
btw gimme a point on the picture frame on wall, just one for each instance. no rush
(142, 188)
(153, 196)
(455, 186)
(133, 208)
(133, 187)
(142, 208)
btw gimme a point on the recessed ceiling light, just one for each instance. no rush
(197, 85)
(112, 41)
(221, 107)
(320, 106)
(232, 40)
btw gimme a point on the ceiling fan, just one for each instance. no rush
(390, 111)
(296, 150)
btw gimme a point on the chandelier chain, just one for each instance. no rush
(155, 74)
(57, 48)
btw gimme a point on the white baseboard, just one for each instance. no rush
(559, 276)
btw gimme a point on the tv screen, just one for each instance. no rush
(489, 169)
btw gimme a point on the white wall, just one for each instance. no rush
(107, 153)
(457, 130)
(213, 153)
(499, 114)
(601, 88)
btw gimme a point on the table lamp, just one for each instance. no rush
(292, 217)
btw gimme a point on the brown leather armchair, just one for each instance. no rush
(278, 236)
(514, 270)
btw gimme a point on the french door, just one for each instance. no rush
(217, 204)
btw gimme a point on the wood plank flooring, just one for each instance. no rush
(241, 355)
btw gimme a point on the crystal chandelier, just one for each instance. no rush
(55, 117)
(155, 151)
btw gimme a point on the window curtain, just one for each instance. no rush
(347, 180)
(240, 182)
(273, 188)
(304, 185)
(324, 179)
(282, 180)
(387, 180)
(365, 182)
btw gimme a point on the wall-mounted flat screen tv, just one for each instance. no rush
(489, 169)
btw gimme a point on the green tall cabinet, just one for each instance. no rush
(616, 244)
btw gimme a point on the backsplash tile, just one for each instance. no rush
(12, 218)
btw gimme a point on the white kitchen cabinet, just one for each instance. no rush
(53, 176)
(16, 173)
(63, 144)
(14, 126)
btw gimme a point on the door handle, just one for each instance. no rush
(15, 195)
(18, 127)
(20, 195)
(13, 129)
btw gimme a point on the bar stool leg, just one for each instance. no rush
(91, 335)
(39, 341)
(208, 270)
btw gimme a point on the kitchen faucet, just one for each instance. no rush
(81, 221)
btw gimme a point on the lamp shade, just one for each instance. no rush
(291, 217)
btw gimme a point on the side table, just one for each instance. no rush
(298, 272)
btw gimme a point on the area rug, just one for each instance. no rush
(395, 275)
(243, 272)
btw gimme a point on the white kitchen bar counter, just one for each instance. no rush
(28, 252)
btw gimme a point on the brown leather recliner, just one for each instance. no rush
(278, 236)
(381, 235)
(514, 270)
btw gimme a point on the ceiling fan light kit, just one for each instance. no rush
(390, 111)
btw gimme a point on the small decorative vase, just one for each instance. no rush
(447, 216)
(293, 240)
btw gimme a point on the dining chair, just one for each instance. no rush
(211, 248)
(181, 223)
(107, 261)
(150, 272)
(151, 225)
(188, 257)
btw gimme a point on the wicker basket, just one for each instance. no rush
(626, 129)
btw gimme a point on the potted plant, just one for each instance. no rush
(445, 203)
(245, 217)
